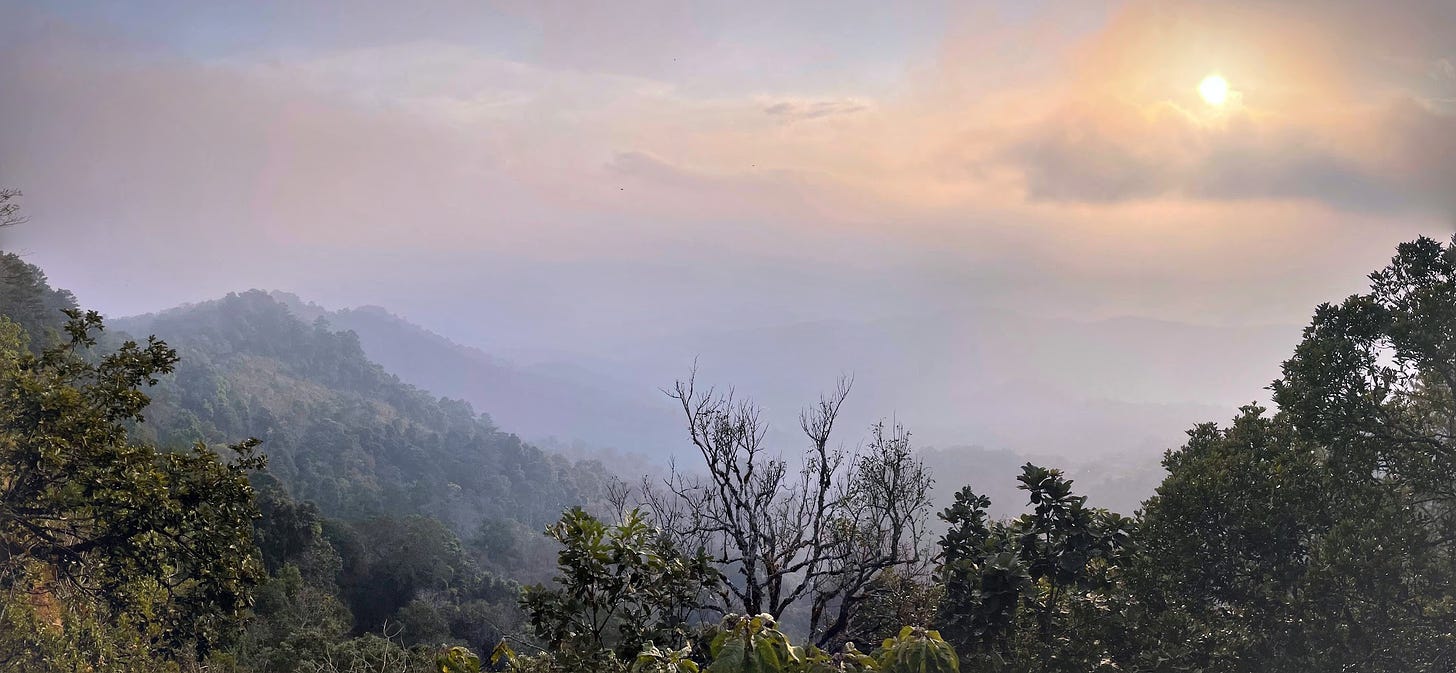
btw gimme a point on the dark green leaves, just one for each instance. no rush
(619, 588)
(1021, 590)
(161, 540)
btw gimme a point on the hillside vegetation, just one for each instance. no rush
(339, 430)
(377, 528)
(568, 408)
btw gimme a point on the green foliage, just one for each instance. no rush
(62, 630)
(294, 621)
(286, 529)
(653, 660)
(389, 562)
(458, 660)
(753, 645)
(337, 582)
(1320, 538)
(157, 545)
(340, 431)
(372, 652)
(1227, 539)
(918, 651)
(744, 644)
(503, 657)
(983, 579)
(1036, 590)
(894, 599)
(500, 543)
(618, 589)
(27, 299)
(158, 540)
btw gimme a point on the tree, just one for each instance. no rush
(818, 535)
(1322, 537)
(286, 529)
(29, 301)
(293, 622)
(878, 522)
(766, 528)
(1373, 381)
(1035, 591)
(10, 208)
(1226, 543)
(618, 589)
(390, 562)
(159, 540)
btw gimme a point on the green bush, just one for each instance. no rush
(746, 644)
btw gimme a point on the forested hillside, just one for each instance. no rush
(339, 430)
(29, 300)
(570, 408)
(383, 510)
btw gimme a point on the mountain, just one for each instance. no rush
(1100, 399)
(339, 429)
(341, 397)
(989, 377)
(565, 399)
(27, 297)
(568, 408)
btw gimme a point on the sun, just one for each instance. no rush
(1214, 89)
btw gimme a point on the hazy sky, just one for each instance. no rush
(550, 173)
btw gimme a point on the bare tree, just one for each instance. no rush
(617, 495)
(761, 523)
(10, 208)
(879, 525)
(817, 533)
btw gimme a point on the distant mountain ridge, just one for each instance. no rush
(339, 396)
(339, 429)
(1101, 399)
(572, 414)
(989, 377)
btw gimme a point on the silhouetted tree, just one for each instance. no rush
(816, 535)
(10, 208)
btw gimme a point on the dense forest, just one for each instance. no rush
(342, 432)
(570, 409)
(226, 487)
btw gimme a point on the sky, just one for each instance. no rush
(551, 176)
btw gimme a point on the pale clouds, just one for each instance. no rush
(794, 110)
(1059, 160)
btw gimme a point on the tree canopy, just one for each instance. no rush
(161, 540)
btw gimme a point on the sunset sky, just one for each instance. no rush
(520, 174)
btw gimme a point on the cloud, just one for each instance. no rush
(1079, 156)
(1116, 155)
(1317, 118)
(1443, 69)
(1026, 161)
(796, 110)
(1419, 147)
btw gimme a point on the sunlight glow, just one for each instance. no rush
(1214, 90)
